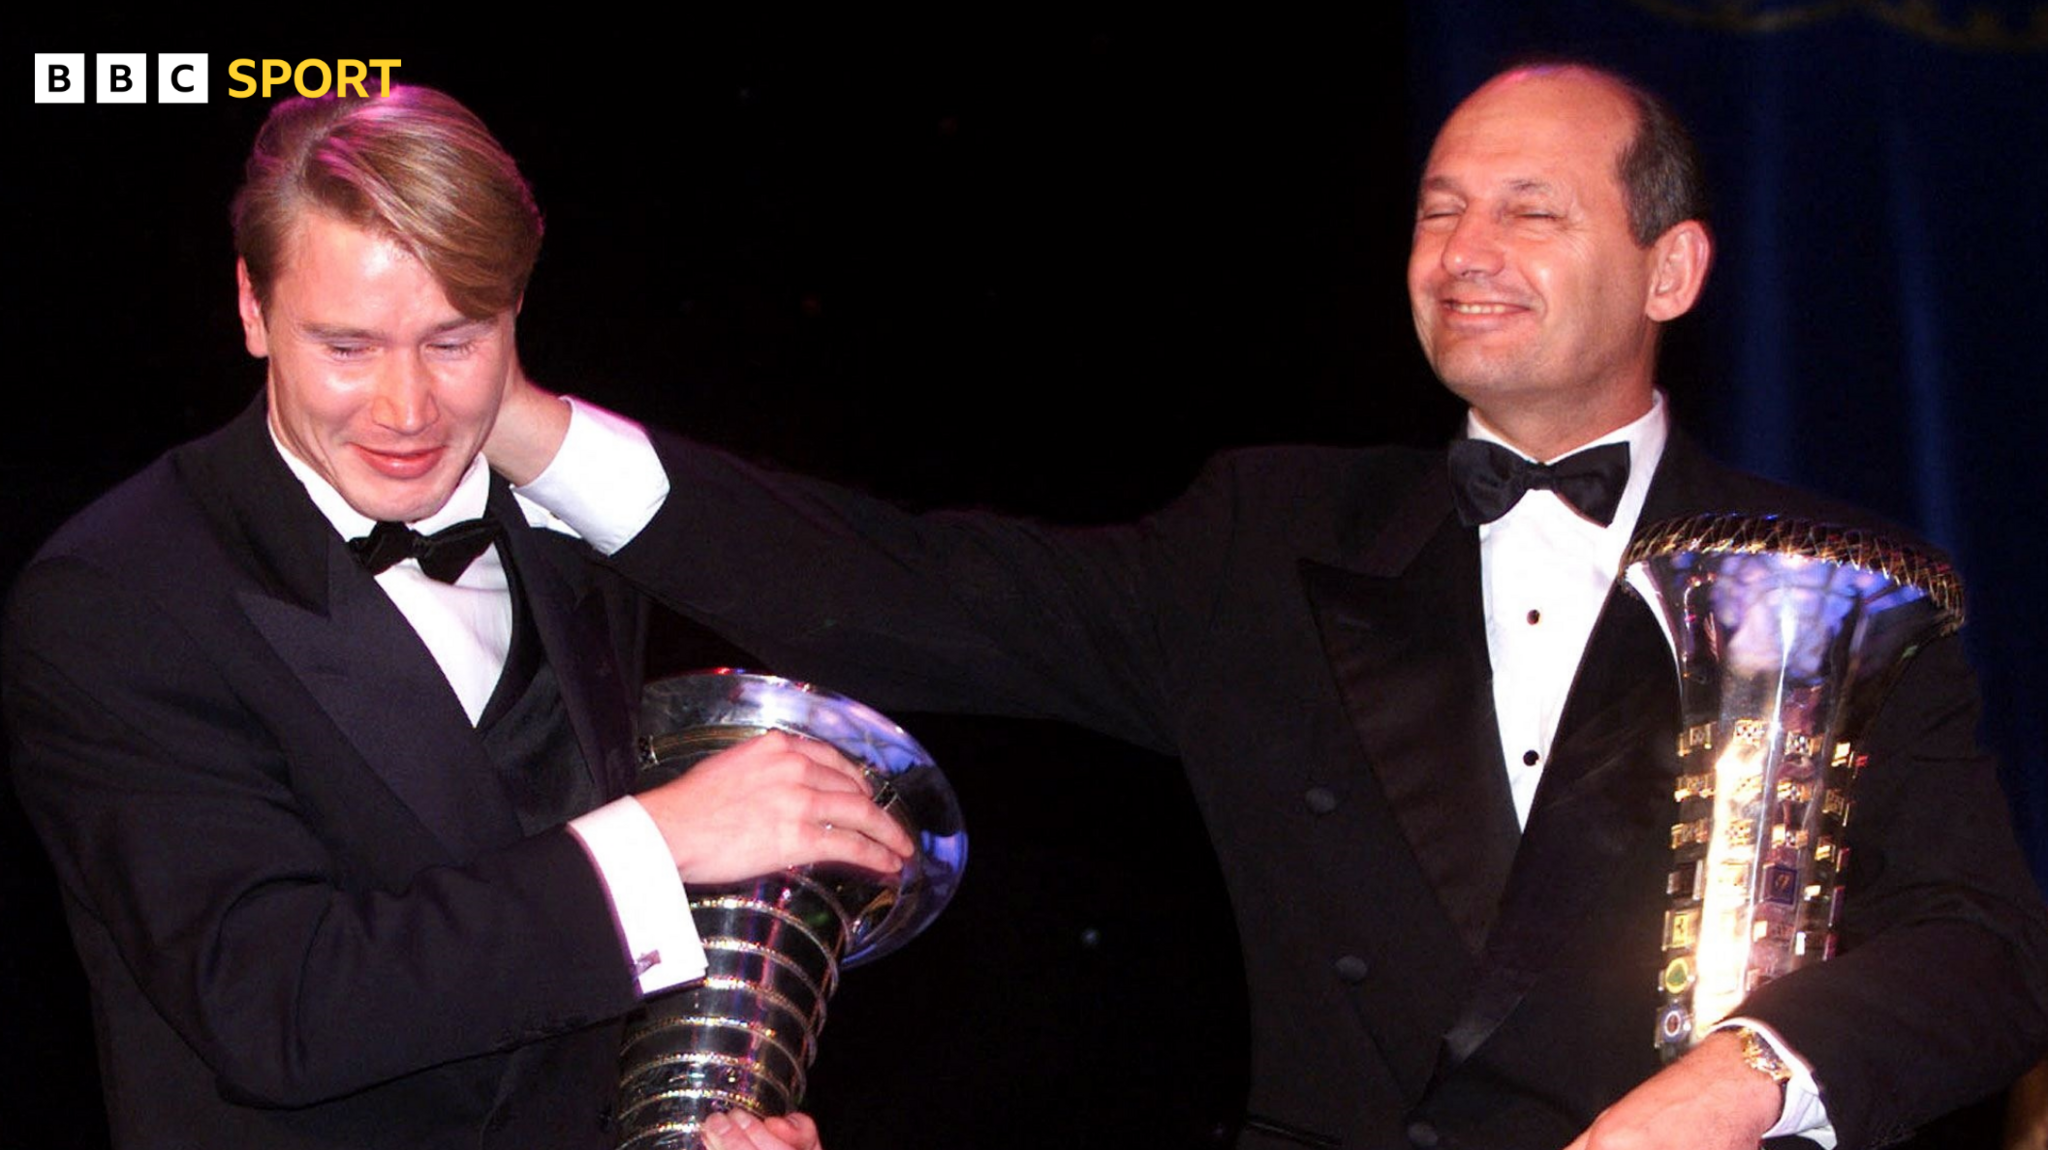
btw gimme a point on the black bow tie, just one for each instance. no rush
(444, 555)
(1487, 480)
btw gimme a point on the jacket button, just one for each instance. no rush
(1351, 968)
(1422, 1134)
(1321, 800)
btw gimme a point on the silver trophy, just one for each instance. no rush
(1787, 634)
(744, 1037)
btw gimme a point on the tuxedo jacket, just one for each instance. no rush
(1303, 629)
(306, 908)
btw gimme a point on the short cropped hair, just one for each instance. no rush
(415, 166)
(1659, 168)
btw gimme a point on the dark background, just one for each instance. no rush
(1047, 264)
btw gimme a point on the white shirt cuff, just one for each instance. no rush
(647, 895)
(1804, 1114)
(603, 486)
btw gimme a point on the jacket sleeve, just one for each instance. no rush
(943, 611)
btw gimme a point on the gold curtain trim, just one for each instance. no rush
(1980, 27)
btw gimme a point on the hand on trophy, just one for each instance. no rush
(1708, 1100)
(739, 1130)
(773, 802)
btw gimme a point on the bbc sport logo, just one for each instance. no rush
(120, 78)
(182, 78)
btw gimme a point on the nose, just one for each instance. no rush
(405, 395)
(1473, 248)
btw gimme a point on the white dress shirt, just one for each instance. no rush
(1545, 573)
(602, 487)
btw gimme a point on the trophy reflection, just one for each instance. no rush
(744, 1037)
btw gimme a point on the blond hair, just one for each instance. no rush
(415, 166)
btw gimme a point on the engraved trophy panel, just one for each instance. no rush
(745, 1036)
(1787, 635)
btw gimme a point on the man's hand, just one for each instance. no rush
(1708, 1100)
(529, 429)
(739, 1130)
(772, 802)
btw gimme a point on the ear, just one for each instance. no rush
(253, 335)
(1678, 270)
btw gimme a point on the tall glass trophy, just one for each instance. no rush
(1788, 634)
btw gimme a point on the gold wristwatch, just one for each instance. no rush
(1757, 1054)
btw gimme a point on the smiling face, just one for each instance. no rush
(376, 381)
(1532, 300)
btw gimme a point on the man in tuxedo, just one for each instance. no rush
(1435, 749)
(327, 728)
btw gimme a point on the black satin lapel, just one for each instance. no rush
(258, 508)
(574, 631)
(1608, 784)
(1627, 680)
(1687, 482)
(368, 670)
(1409, 654)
